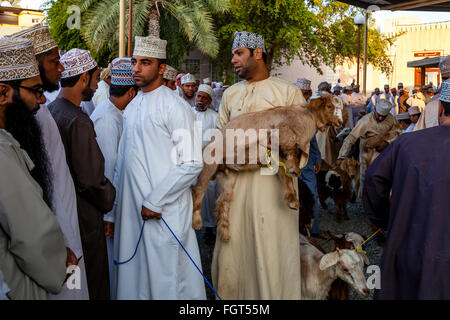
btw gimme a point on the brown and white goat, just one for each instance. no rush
(296, 125)
(340, 289)
(337, 184)
(319, 270)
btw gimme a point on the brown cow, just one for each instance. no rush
(296, 125)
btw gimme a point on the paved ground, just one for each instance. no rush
(327, 221)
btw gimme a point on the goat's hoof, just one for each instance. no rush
(225, 236)
(293, 206)
(197, 221)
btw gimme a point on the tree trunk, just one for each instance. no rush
(153, 20)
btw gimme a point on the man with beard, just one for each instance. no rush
(189, 87)
(32, 246)
(207, 117)
(63, 197)
(154, 172)
(245, 266)
(95, 193)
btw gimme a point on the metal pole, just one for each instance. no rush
(366, 31)
(359, 54)
(130, 25)
(122, 29)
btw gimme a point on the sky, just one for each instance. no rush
(426, 16)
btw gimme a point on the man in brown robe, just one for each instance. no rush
(95, 193)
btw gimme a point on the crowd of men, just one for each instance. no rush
(95, 183)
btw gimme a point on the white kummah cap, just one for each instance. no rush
(40, 36)
(303, 84)
(76, 61)
(187, 78)
(348, 88)
(17, 59)
(413, 110)
(402, 116)
(206, 80)
(206, 89)
(248, 40)
(150, 46)
(445, 91)
(170, 73)
(383, 107)
(444, 65)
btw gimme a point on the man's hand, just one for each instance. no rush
(317, 167)
(71, 258)
(382, 146)
(109, 230)
(149, 214)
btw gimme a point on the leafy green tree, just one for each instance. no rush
(316, 31)
(68, 38)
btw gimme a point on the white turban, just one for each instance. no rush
(383, 107)
(206, 89)
(187, 78)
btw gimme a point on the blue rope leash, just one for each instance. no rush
(137, 245)
(209, 284)
(135, 250)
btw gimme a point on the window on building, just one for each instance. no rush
(9, 18)
(192, 66)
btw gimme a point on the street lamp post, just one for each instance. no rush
(366, 31)
(130, 25)
(122, 29)
(359, 21)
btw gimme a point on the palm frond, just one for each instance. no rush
(86, 4)
(101, 23)
(196, 23)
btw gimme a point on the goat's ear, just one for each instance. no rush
(329, 260)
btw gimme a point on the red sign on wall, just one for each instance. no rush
(427, 54)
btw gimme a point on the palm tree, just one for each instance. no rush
(101, 20)
(14, 3)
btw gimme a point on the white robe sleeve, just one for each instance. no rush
(189, 163)
(3, 288)
(107, 130)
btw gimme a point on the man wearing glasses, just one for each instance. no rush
(64, 201)
(32, 247)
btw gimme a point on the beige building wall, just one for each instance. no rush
(432, 37)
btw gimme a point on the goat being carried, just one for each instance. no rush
(296, 126)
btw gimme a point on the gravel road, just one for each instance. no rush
(327, 221)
